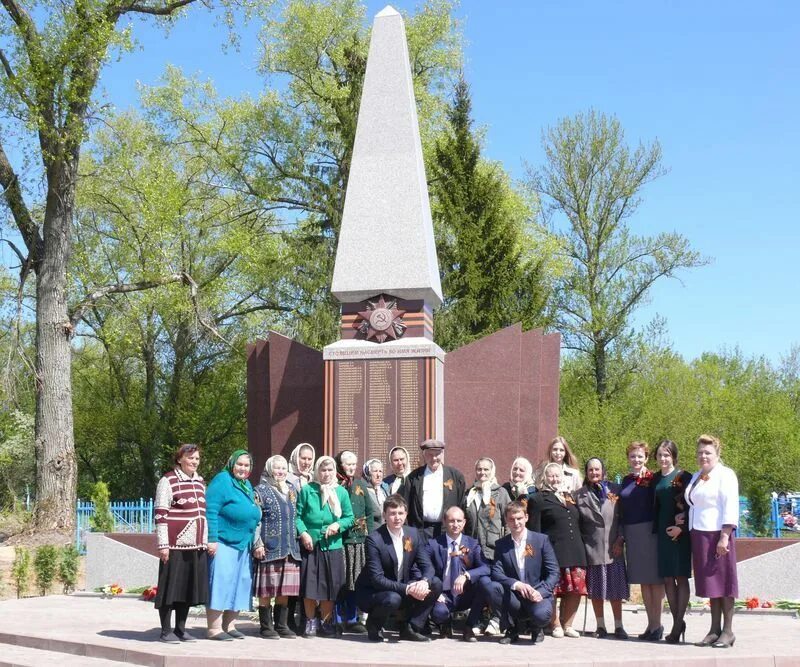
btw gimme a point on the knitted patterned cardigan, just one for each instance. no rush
(180, 511)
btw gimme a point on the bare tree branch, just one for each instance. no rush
(121, 288)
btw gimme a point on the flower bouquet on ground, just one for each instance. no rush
(112, 590)
(149, 593)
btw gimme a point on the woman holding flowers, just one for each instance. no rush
(554, 513)
(182, 534)
(674, 550)
(232, 518)
(324, 513)
(713, 498)
(636, 499)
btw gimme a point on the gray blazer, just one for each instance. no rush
(487, 524)
(600, 526)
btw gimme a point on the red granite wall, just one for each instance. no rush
(501, 399)
(284, 398)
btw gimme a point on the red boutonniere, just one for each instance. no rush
(528, 551)
(677, 483)
(407, 545)
(612, 497)
(449, 484)
(359, 491)
(704, 477)
(645, 479)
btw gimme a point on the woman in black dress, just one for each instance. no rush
(554, 513)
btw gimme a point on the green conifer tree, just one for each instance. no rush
(487, 280)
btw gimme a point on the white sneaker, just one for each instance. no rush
(558, 632)
(312, 625)
(492, 628)
(572, 633)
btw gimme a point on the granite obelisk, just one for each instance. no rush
(383, 379)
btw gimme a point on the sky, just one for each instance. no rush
(717, 84)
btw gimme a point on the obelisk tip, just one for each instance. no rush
(388, 10)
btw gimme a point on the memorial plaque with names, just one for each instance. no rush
(379, 404)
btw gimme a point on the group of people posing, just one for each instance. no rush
(419, 544)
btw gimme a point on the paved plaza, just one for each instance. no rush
(92, 632)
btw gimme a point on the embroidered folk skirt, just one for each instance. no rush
(713, 577)
(572, 580)
(354, 560)
(277, 578)
(183, 579)
(608, 582)
(230, 579)
(322, 574)
(641, 553)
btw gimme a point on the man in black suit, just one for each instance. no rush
(398, 573)
(458, 561)
(432, 489)
(524, 574)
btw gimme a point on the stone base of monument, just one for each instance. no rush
(126, 559)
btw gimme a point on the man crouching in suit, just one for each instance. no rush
(524, 573)
(458, 561)
(397, 573)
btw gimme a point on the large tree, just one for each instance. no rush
(593, 180)
(51, 55)
(492, 276)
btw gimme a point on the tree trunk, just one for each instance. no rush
(600, 371)
(56, 466)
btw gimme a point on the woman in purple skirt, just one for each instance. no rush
(713, 498)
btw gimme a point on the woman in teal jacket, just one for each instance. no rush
(324, 513)
(232, 516)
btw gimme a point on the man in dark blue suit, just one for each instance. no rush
(398, 573)
(458, 561)
(524, 574)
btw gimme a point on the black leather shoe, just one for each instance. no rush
(469, 635)
(510, 638)
(407, 633)
(601, 633)
(446, 630)
(620, 633)
(357, 629)
(185, 636)
(537, 635)
(375, 631)
(169, 638)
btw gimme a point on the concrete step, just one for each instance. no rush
(23, 656)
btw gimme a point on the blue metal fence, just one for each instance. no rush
(130, 516)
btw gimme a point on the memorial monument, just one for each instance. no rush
(383, 383)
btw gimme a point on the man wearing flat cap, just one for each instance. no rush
(432, 489)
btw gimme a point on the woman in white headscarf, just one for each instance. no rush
(324, 513)
(301, 466)
(378, 490)
(485, 511)
(486, 507)
(276, 550)
(521, 486)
